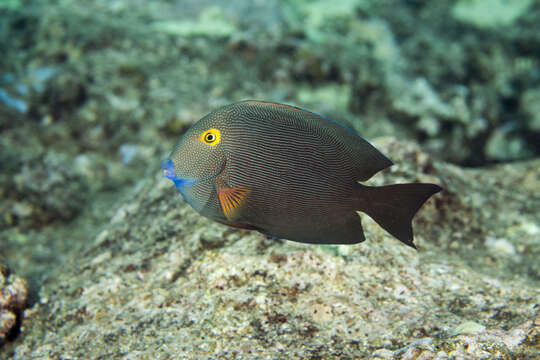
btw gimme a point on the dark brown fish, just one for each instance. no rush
(289, 173)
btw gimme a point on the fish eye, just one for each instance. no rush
(211, 137)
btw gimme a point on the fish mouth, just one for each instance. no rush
(167, 166)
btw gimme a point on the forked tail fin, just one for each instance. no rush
(394, 206)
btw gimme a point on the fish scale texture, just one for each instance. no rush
(298, 173)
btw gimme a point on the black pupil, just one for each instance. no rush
(210, 137)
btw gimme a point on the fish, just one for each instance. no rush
(289, 173)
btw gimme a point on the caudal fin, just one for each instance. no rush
(394, 206)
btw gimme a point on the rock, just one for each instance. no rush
(11, 4)
(459, 93)
(13, 296)
(530, 104)
(46, 189)
(501, 12)
(500, 247)
(469, 327)
(502, 145)
(161, 281)
(212, 22)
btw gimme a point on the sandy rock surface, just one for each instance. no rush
(162, 282)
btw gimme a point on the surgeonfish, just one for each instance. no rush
(289, 173)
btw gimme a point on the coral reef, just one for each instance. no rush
(13, 296)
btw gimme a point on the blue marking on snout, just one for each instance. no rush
(181, 183)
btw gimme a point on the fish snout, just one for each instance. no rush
(167, 166)
(181, 183)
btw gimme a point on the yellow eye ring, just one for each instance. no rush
(211, 137)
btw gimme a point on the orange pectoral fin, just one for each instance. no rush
(232, 200)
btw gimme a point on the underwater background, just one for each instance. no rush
(101, 258)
